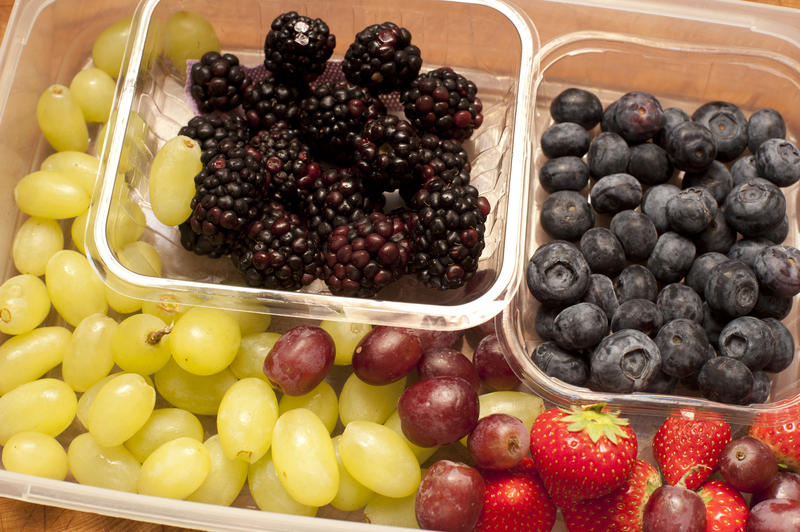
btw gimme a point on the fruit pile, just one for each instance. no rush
(294, 167)
(673, 271)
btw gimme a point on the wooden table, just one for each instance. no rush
(24, 517)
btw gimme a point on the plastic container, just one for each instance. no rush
(685, 54)
(487, 41)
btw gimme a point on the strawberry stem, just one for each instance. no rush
(595, 422)
(691, 471)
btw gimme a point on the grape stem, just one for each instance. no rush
(153, 337)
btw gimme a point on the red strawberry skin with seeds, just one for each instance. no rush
(682, 443)
(780, 430)
(726, 509)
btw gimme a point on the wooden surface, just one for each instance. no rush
(24, 517)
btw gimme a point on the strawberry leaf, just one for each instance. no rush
(596, 423)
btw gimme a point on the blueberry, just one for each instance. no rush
(608, 122)
(763, 125)
(640, 314)
(616, 192)
(603, 251)
(716, 179)
(608, 154)
(770, 305)
(761, 387)
(638, 116)
(717, 236)
(744, 169)
(560, 364)
(777, 233)
(654, 204)
(683, 346)
(728, 125)
(755, 206)
(747, 339)
(690, 146)
(636, 233)
(678, 300)
(690, 382)
(557, 273)
(691, 210)
(778, 270)
(649, 164)
(731, 288)
(626, 361)
(726, 380)
(577, 105)
(601, 293)
(565, 138)
(662, 384)
(544, 321)
(701, 267)
(784, 346)
(671, 258)
(566, 215)
(580, 326)
(778, 160)
(672, 117)
(636, 282)
(564, 173)
(747, 249)
(713, 323)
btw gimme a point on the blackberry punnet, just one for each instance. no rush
(277, 251)
(297, 48)
(387, 152)
(364, 256)
(382, 59)
(217, 82)
(211, 130)
(270, 101)
(444, 102)
(333, 114)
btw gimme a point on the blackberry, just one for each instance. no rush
(382, 59)
(269, 101)
(364, 256)
(217, 82)
(442, 159)
(333, 114)
(443, 102)
(297, 48)
(447, 225)
(277, 252)
(216, 133)
(387, 152)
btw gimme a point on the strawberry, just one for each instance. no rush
(582, 453)
(683, 442)
(726, 509)
(619, 511)
(780, 430)
(515, 499)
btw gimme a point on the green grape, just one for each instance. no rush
(77, 231)
(169, 307)
(253, 349)
(251, 322)
(246, 418)
(134, 147)
(154, 45)
(352, 495)
(188, 36)
(26, 357)
(46, 405)
(171, 185)
(365, 402)
(198, 394)
(379, 459)
(85, 402)
(522, 405)
(34, 453)
(391, 511)
(81, 167)
(175, 470)
(76, 291)
(346, 336)
(137, 344)
(109, 47)
(36, 240)
(268, 492)
(422, 453)
(120, 408)
(304, 457)
(321, 400)
(163, 425)
(105, 467)
(126, 220)
(87, 358)
(24, 304)
(61, 119)
(93, 89)
(122, 303)
(50, 194)
(139, 257)
(204, 341)
(225, 479)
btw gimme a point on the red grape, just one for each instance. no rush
(774, 515)
(747, 464)
(499, 441)
(491, 364)
(445, 361)
(438, 411)
(784, 485)
(300, 359)
(385, 355)
(430, 339)
(674, 509)
(450, 497)
(479, 332)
